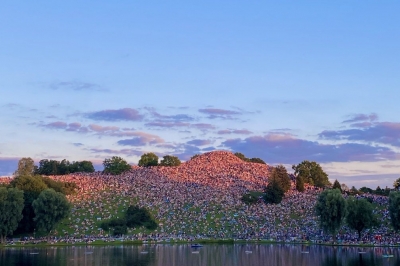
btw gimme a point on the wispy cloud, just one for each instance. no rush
(141, 139)
(76, 86)
(199, 142)
(234, 131)
(125, 114)
(219, 113)
(361, 118)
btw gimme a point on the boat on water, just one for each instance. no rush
(196, 245)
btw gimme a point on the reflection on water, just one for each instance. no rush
(238, 254)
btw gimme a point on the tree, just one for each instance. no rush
(299, 184)
(136, 216)
(11, 206)
(50, 208)
(32, 186)
(194, 156)
(273, 193)
(26, 167)
(396, 184)
(312, 173)
(48, 167)
(169, 160)
(257, 160)
(280, 176)
(394, 209)
(331, 209)
(359, 215)
(115, 166)
(337, 185)
(148, 159)
(241, 156)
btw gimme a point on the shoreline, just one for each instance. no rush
(204, 241)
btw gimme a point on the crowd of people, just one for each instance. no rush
(201, 199)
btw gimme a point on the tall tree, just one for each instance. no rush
(337, 185)
(148, 159)
(331, 209)
(50, 208)
(359, 215)
(394, 209)
(11, 205)
(273, 193)
(169, 160)
(299, 184)
(396, 184)
(32, 186)
(115, 166)
(26, 167)
(311, 172)
(280, 176)
(241, 156)
(257, 160)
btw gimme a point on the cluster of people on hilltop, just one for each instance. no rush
(202, 199)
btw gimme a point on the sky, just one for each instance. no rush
(284, 81)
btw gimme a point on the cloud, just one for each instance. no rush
(284, 148)
(125, 114)
(141, 139)
(199, 142)
(167, 124)
(361, 118)
(234, 131)
(76, 86)
(219, 113)
(177, 117)
(203, 126)
(56, 125)
(382, 132)
(128, 152)
(98, 128)
(77, 144)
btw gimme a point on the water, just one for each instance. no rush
(236, 255)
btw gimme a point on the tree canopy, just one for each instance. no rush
(11, 206)
(273, 193)
(64, 167)
(169, 160)
(394, 209)
(115, 165)
(331, 209)
(396, 184)
(312, 173)
(148, 159)
(337, 185)
(359, 215)
(280, 176)
(50, 208)
(26, 167)
(252, 160)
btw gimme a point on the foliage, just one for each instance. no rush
(312, 173)
(169, 160)
(273, 193)
(366, 190)
(252, 160)
(299, 184)
(64, 167)
(50, 208)
(115, 166)
(148, 159)
(11, 206)
(396, 184)
(331, 209)
(250, 198)
(257, 160)
(359, 215)
(337, 185)
(194, 156)
(382, 192)
(26, 167)
(394, 209)
(280, 176)
(66, 188)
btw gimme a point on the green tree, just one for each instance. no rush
(299, 184)
(337, 185)
(115, 166)
(11, 205)
(359, 215)
(273, 193)
(257, 160)
(241, 156)
(396, 184)
(312, 173)
(136, 217)
(331, 209)
(169, 160)
(32, 186)
(394, 209)
(279, 175)
(148, 159)
(26, 167)
(194, 156)
(50, 208)
(48, 167)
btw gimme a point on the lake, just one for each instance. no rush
(183, 254)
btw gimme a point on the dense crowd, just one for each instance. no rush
(202, 199)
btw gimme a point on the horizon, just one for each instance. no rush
(284, 82)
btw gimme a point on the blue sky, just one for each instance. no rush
(284, 81)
